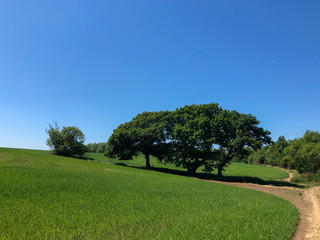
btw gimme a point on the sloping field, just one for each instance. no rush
(45, 196)
(235, 169)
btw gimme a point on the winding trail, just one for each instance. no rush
(288, 179)
(313, 194)
(307, 201)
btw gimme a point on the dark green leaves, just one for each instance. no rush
(146, 133)
(191, 136)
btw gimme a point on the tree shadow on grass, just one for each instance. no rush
(247, 179)
(86, 158)
(211, 176)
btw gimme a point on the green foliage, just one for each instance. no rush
(66, 142)
(243, 158)
(311, 137)
(258, 156)
(192, 135)
(302, 154)
(307, 179)
(43, 196)
(208, 136)
(308, 158)
(274, 153)
(145, 133)
(101, 147)
(92, 147)
(235, 132)
(96, 147)
(287, 162)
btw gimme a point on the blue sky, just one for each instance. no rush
(96, 64)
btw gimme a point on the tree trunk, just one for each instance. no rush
(147, 155)
(191, 171)
(220, 171)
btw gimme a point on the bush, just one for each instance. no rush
(308, 158)
(287, 162)
(68, 142)
(316, 177)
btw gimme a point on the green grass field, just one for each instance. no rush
(233, 170)
(49, 197)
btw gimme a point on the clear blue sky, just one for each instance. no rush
(96, 64)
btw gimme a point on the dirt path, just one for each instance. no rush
(307, 202)
(288, 179)
(313, 194)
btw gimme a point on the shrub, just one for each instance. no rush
(67, 142)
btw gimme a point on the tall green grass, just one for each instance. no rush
(49, 197)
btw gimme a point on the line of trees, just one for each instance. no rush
(302, 154)
(195, 136)
(192, 137)
(96, 147)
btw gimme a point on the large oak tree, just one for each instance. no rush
(208, 136)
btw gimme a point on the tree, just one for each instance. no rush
(67, 142)
(92, 147)
(96, 147)
(191, 135)
(146, 133)
(308, 158)
(101, 147)
(275, 152)
(206, 135)
(258, 156)
(304, 153)
(233, 133)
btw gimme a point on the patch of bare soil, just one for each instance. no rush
(307, 202)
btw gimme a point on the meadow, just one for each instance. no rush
(43, 196)
(235, 169)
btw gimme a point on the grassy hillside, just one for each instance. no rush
(234, 169)
(44, 196)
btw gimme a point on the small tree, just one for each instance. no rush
(67, 142)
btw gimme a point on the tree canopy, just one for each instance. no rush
(235, 132)
(206, 135)
(145, 133)
(69, 141)
(192, 136)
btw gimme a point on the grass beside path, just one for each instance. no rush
(50, 197)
